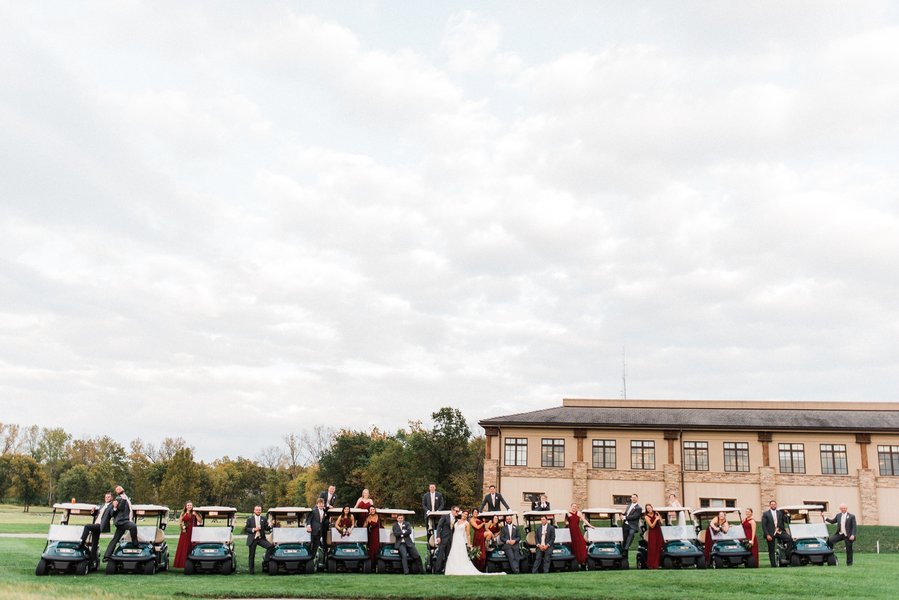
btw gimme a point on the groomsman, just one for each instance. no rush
(545, 536)
(102, 516)
(317, 523)
(402, 533)
(444, 537)
(773, 526)
(121, 516)
(631, 525)
(330, 497)
(510, 542)
(256, 528)
(846, 530)
(432, 500)
(541, 504)
(493, 500)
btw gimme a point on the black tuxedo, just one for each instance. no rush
(444, 532)
(839, 536)
(102, 516)
(510, 542)
(426, 502)
(405, 545)
(544, 556)
(329, 504)
(535, 505)
(633, 514)
(121, 516)
(318, 525)
(257, 539)
(493, 504)
(776, 531)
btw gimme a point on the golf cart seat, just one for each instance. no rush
(701, 536)
(531, 538)
(150, 534)
(432, 541)
(65, 533)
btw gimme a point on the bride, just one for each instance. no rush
(458, 563)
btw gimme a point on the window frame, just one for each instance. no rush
(739, 450)
(795, 453)
(830, 459)
(643, 448)
(606, 448)
(697, 449)
(556, 457)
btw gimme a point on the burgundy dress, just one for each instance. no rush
(364, 504)
(374, 540)
(184, 541)
(479, 540)
(578, 544)
(707, 549)
(747, 531)
(654, 543)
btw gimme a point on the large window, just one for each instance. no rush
(717, 502)
(888, 458)
(833, 459)
(552, 452)
(603, 454)
(643, 454)
(696, 456)
(792, 458)
(516, 452)
(736, 457)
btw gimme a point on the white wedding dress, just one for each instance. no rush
(458, 563)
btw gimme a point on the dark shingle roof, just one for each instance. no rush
(794, 418)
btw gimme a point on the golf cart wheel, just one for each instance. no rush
(233, 566)
(832, 560)
(624, 564)
(150, 568)
(110, 568)
(188, 567)
(381, 566)
(794, 560)
(310, 566)
(700, 563)
(82, 568)
(165, 562)
(272, 567)
(572, 565)
(41, 568)
(332, 565)
(752, 562)
(490, 567)
(416, 568)
(366, 566)
(667, 563)
(591, 564)
(717, 562)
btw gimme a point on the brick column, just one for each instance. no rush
(579, 483)
(491, 473)
(579, 436)
(672, 483)
(767, 487)
(765, 438)
(867, 491)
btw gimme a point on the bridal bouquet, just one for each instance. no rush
(473, 552)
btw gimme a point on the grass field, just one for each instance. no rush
(872, 576)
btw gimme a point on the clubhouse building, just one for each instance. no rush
(708, 453)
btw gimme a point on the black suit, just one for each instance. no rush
(544, 556)
(535, 505)
(332, 503)
(318, 524)
(633, 514)
(444, 532)
(426, 502)
(102, 517)
(121, 516)
(848, 537)
(776, 531)
(257, 538)
(405, 545)
(493, 503)
(510, 542)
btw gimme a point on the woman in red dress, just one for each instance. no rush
(186, 521)
(345, 522)
(479, 538)
(373, 524)
(364, 502)
(654, 541)
(749, 530)
(716, 526)
(578, 544)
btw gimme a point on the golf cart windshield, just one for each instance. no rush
(605, 534)
(678, 532)
(808, 530)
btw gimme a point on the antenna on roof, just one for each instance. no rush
(623, 373)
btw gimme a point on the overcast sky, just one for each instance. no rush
(230, 221)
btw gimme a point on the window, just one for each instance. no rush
(553, 452)
(603, 454)
(792, 458)
(736, 457)
(717, 502)
(531, 497)
(823, 503)
(643, 454)
(619, 499)
(516, 452)
(888, 458)
(696, 456)
(833, 459)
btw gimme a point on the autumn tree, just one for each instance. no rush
(181, 480)
(28, 481)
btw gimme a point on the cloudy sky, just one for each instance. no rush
(230, 221)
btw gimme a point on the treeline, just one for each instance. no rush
(46, 465)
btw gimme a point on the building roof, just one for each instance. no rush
(860, 417)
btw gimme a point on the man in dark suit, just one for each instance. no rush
(846, 530)
(330, 497)
(256, 528)
(102, 516)
(541, 504)
(443, 535)
(631, 525)
(404, 543)
(493, 500)
(121, 516)
(317, 524)
(544, 537)
(510, 542)
(774, 527)
(432, 499)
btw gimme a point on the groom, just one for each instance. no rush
(444, 537)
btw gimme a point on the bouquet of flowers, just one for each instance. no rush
(473, 553)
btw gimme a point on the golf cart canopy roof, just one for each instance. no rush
(395, 511)
(603, 511)
(801, 507)
(671, 508)
(289, 511)
(74, 507)
(498, 513)
(149, 509)
(216, 511)
(702, 512)
(353, 511)
(541, 513)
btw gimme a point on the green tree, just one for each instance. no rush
(52, 451)
(75, 483)
(181, 481)
(28, 482)
(344, 464)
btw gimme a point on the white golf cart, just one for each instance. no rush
(605, 544)
(63, 552)
(151, 553)
(292, 551)
(212, 543)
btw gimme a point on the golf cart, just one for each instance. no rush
(349, 553)
(212, 544)
(496, 557)
(292, 552)
(431, 521)
(389, 559)
(151, 553)
(809, 539)
(604, 544)
(63, 552)
(730, 548)
(563, 559)
(680, 547)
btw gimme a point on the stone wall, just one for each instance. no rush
(491, 473)
(767, 486)
(579, 485)
(867, 493)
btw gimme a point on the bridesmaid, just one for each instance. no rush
(654, 541)
(479, 538)
(749, 530)
(578, 544)
(345, 522)
(364, 502)
(186, 521)
(716, 526)
(373, 524)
